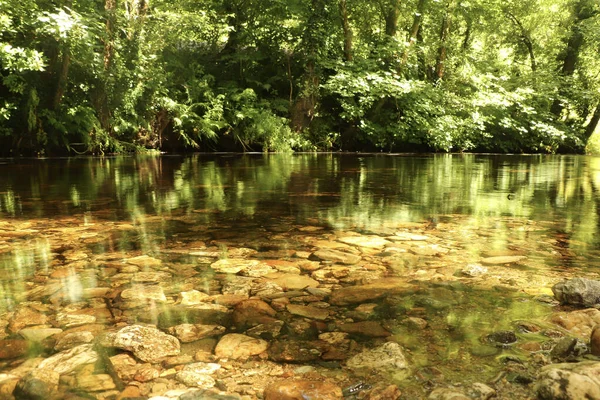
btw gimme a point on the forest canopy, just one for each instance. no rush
(105, 76)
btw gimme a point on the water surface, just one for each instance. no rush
(65, 213)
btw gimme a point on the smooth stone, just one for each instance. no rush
(429, 250)
(176, 315)
(69, 360)
(13, 348)
(336, 256)
(374, 242)
(143, 261)
(187, 333)
(569, 381)
(38, 334)
(365, 328)
(473, 270)
(198, 374)
(302, 390)
(407, 236)
(447, 394)
(369, 292)
(73, 339)
(568, 349)
(236, 265)
(190, 378)
(37, 384)
(95, 383)
(415, 322)
(146, 373)
(72, 320)
(145, 293)
(151, 277)
(237, 286)
(481, 391)
(323, 292)
(579, 322)
(237, 346)
(578, 292)
(124, 365)
(266, 331)
(25, 316)
(292, 281)
(388, 356)
(147, 343)
(502, 260)
(192, 297)
(253, 312)
(308, 311)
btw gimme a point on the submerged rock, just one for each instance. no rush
(567, 349)
(191, 332)
(308, 311)
(13, 348)
(38, 384)
(365, 328)
(569, 381)
(336, 256)
(375, 242)
(198, 375)
(578, 292)
(372, 291)
(301, 390)
(147, 343)
(253, 312)
(237, 346)
(69, 360)
(502, 260)
(595, 340)
(501, 338)
(447, 394)
(297, 350)
(387, 356)
(579, 322)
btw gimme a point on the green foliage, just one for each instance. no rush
(272, 75)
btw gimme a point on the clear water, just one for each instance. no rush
(547, 208)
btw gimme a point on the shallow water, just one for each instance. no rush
(86, 214)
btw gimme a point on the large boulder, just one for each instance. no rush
(578, 292)
(569, 381)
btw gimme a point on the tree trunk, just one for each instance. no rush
(348, 34)
(570, 56)
(391, 12)
(414, 29)
(467, 40)
(109, 8)
(525, 38)
(440, 64)
(591, 128)
(63, 74)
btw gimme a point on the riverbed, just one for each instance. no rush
(376, 276)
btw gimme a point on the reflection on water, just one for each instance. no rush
(67, 225)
